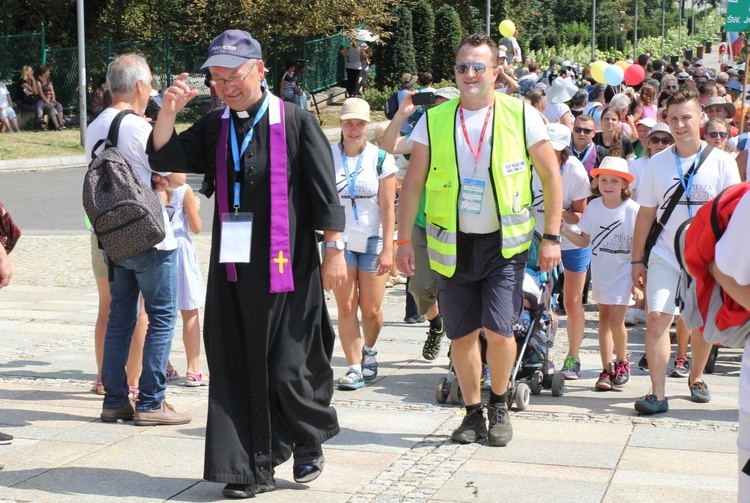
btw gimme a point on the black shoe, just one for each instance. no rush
(241, 491)
(501, 431)
(431, 348)
(124, 413)
(473, 429)
(649, 404)
(5, 439)
(307, 466)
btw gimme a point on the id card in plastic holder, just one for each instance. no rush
(471, 196)
(236, 237)
(356, 241)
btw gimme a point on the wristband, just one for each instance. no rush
(400, 242)
(635, 262)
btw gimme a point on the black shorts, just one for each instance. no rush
(486, 290)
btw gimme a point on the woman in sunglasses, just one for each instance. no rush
(717, 133)
(658, 139)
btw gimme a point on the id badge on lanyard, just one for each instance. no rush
(471, 196)
(236, 237)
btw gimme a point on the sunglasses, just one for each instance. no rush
(463, 67)
(670, 87)
(580, 130)
(717, 134)
(663, 140)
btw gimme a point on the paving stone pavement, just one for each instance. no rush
(394, 445)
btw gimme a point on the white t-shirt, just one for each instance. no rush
(660, 179)
(636, 169)
(735, 264)
(555, 111)
(132, 140)
(366, 187)
(611, 232)
(575, 186)
(486, 222)
(735, 140)
(4, 95)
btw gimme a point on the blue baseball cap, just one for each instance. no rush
(231, 49)
(733, 85)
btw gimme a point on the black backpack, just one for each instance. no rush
(125, 213)
(391, 106)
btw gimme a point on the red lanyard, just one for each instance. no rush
(481, 137)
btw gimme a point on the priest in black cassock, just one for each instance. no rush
(267, 332)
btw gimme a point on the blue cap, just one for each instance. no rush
(733, 85)
(231, 49)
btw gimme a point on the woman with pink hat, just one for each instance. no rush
(608, 224)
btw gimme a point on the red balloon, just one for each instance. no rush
(634, 75)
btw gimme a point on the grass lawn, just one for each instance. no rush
(33, 144)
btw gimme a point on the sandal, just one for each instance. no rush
(194, 379)
(97, 387)
(307, 466)
(172, 374)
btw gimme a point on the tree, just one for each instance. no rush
(423, 34)
(448, 35)
(476, 24)
(396, 56)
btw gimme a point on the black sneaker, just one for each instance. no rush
(643, 363)
(5, 439)
(501, 431)
(243, 491)
(431, 348)
(473, 429)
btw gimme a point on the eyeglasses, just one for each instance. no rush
(664, 140)
(670, 87)
(463, 67)
(716, 134)
(234, 80)
(581, 130)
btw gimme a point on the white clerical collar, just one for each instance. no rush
(243, 114)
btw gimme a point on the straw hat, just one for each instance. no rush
(408, 81)
(616, 166)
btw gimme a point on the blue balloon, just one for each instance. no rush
(613, 75)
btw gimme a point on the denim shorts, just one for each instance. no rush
(577, 259)
(365, 261)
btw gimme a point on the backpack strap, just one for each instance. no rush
(742, 141)
(381, 159)
(114, 131)
(715, 216)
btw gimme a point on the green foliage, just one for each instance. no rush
(448, 35)
(477, 23)
(377, 97)
(396, 57)
(423, 33)
(575, 33)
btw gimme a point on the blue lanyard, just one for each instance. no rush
(351, 181)
(689, 185)
(238, 153)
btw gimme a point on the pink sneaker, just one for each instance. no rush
(195, 379)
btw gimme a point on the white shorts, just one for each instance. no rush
(7, 112)
(661, 286)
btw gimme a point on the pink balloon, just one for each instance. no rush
(634, 75)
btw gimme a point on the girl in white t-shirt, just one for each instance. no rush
(608, 224)
(366, 181)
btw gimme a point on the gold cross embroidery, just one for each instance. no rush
(281, 261)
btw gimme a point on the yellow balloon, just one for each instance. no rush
(622, 65)
(507, 28)
(597, 71)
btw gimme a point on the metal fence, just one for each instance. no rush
(324, 67)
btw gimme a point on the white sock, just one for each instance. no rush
(357, 367)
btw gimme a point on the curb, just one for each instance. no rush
(43, 163)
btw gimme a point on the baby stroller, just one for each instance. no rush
(535, 334)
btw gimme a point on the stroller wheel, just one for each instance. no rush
(522, 396)
(558, 384)
(441, 391)
(711, 363)
(457, 397)
(536, 383)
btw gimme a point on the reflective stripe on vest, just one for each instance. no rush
(510, 179)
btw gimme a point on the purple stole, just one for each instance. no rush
(280, 260)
